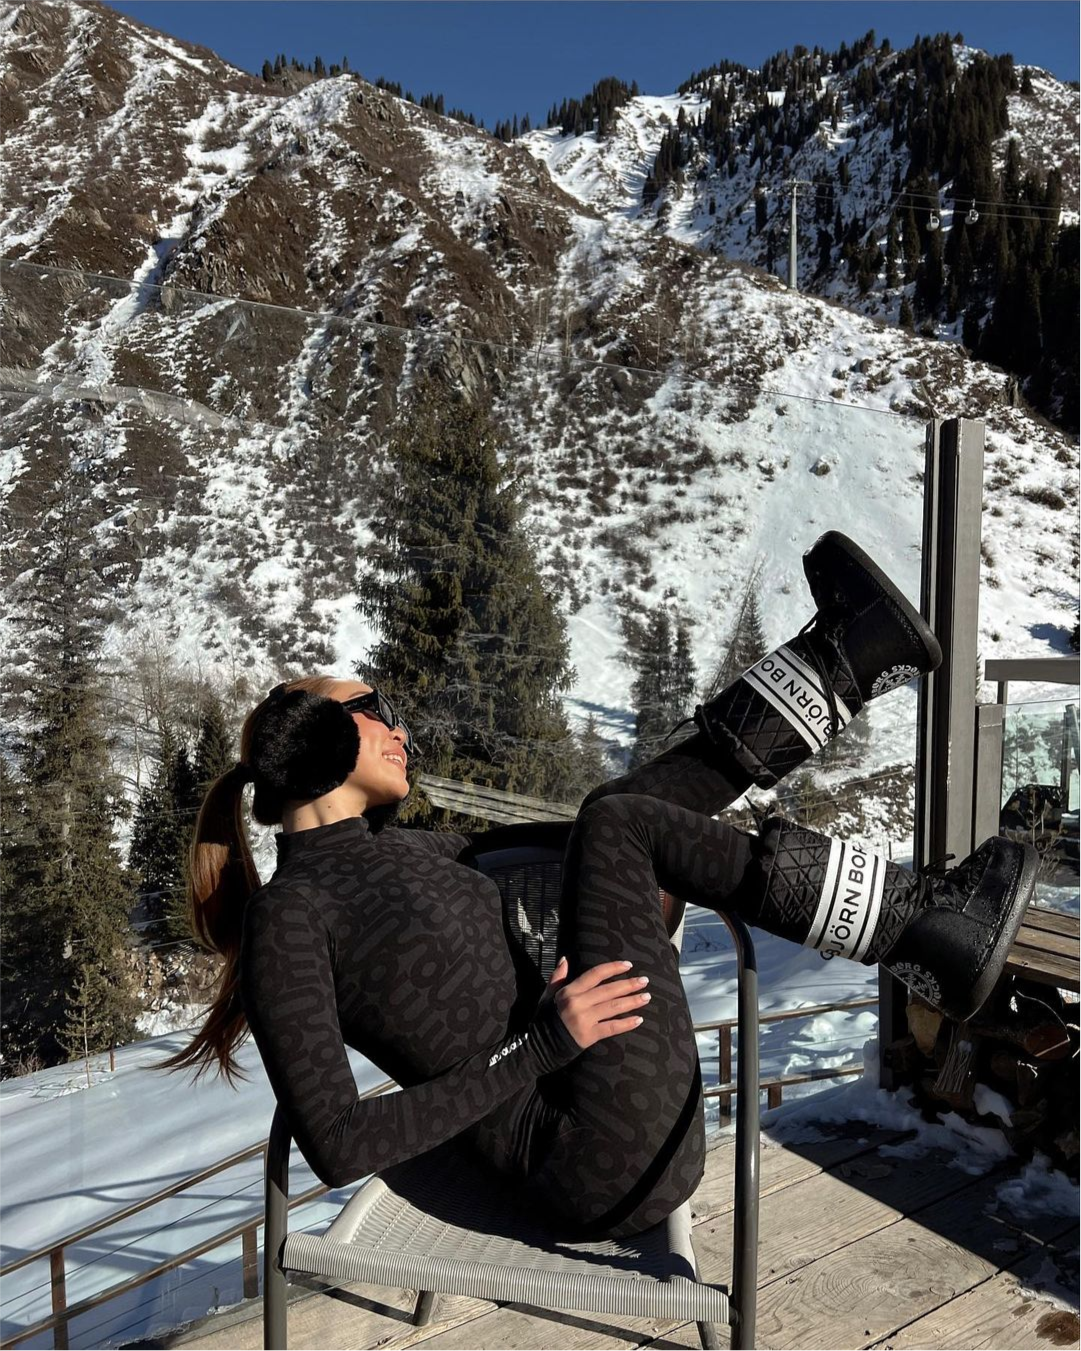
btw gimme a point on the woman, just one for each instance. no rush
(585, 1093)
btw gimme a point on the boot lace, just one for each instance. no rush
(938, 868)
(810, 630)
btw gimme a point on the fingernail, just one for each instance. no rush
(637, 1021)
(643, 980)
(646, 998)
(626, 963)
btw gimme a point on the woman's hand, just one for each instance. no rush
(590, 1005)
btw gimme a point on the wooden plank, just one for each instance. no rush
(362, 1315)
(1051, 921)
(818, 1215)
(856, 1295)
(1057, 971)
(799, 1224)
(1007, 1310)
(493, 804)
(523, 1328)
(781, 1166)
(1040, 940)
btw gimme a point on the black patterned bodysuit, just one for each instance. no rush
(386, 942)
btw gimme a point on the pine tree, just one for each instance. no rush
(18, 867)
(67, 896)
(471, 644)
(663, 688)
(746, 643)
(648, 692)
(930, 276)
(214, 748)
(161, 836)
(911, 243)
(893, 275)
(593, 763)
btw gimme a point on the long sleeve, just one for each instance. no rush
(288, 988)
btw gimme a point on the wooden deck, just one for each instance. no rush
(858, 1249)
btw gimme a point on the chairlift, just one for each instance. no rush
(934, 222)
(973, 215)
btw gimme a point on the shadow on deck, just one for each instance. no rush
(859, 1248)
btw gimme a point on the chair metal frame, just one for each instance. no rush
(525, 847)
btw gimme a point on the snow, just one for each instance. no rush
(972, 1149)
(1039, 1189)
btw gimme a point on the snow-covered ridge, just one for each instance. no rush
(713, 209)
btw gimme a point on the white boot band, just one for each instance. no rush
(847, 913)
(795, 691)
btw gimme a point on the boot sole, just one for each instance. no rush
(999, 951)
(833, 543)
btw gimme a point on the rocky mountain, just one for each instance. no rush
(217, 289)
(927, 178)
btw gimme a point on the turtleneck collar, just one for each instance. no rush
(350, 829)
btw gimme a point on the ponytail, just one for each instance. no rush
(221, 878)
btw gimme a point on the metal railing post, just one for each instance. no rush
(946, 732)
(58, 1282)
(275, 1229)
(745, 1208)
(987, 788)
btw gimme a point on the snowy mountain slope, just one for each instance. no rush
(713, 208)
(674, 419)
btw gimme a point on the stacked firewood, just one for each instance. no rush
(1023, 1045)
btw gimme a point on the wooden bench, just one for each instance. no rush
(1046, 949)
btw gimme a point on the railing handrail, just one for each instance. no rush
(114, 1217)
(241, 1155)
(810, 1012)
(1037, 670)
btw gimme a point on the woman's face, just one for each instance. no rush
(380, 769)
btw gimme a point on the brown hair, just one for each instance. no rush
(221, 878)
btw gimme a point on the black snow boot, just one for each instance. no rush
(864, 640)
(946, 934)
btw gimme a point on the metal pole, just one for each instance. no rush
(793, 265)
(276, 1227)
(946, 718)
(745, 1211)
(793, 279)
(945, 783)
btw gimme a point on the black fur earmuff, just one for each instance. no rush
(305, 746)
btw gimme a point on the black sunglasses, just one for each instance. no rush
(379, 706)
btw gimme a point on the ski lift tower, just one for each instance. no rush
(793, 278)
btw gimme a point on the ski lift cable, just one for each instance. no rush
(924, 202)
(924, 197)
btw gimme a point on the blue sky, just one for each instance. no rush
(502, 57)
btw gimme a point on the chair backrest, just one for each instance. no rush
(526, 863)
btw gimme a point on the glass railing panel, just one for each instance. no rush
(1040, 794)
